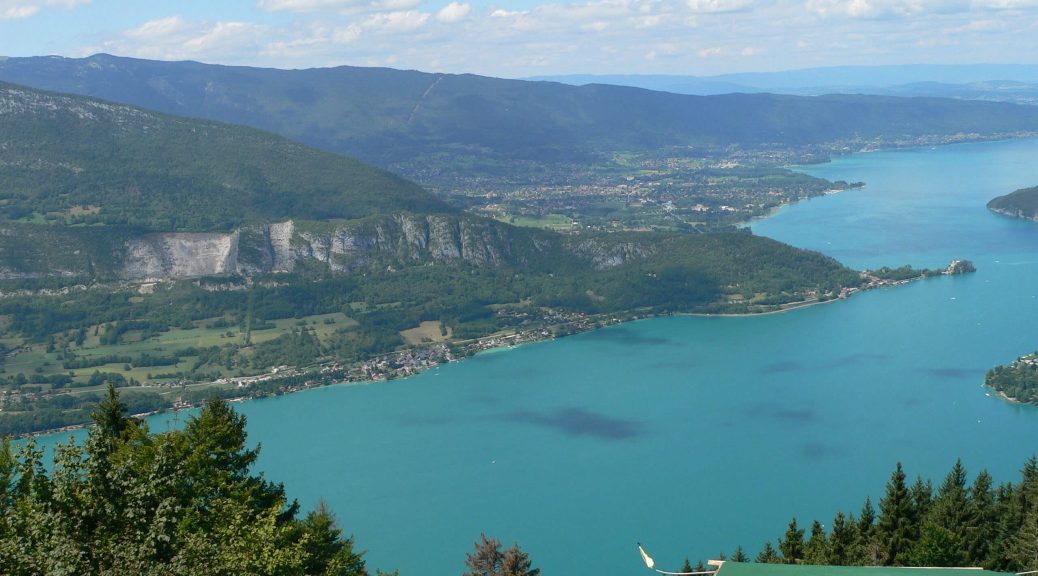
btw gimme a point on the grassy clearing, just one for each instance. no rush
(36, 360)
(427, 332)
(550, 222)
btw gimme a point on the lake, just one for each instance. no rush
(694, 434)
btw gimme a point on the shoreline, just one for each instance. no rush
(376, 370)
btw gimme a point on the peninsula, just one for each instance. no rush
(1022, 203)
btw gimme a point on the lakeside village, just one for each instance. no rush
(555, 324)
(415, 359)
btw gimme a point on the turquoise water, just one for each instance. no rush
(695, 434)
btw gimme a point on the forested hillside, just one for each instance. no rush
(139, 248)
(395, 118)
(1021, 203)
(70, 160)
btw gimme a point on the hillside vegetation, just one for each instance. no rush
(1022, 203)
(78, 161)
(139, 248)
(409, 119)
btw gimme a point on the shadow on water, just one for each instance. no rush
(791, 415)
(579, 422)
(627, 337)
(782, 366)
(855, 359)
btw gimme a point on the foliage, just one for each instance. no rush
(423, 122)
(1018, 381)
(961, 524)
(180, 502)
(487, 559)
(1023, 203)
(72, 160)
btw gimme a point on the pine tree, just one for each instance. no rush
(937, 546)
(816, 551)
(897, 529)
(840, 551)
(485, 560)
(982, 520)
(791, 546)
(867, 551)
(768, 555)
(687, 566)
(1023, 549)
(922, 497)
(516, 562)
(110, 415)
(739, 555)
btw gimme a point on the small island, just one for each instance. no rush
(1017, 382)
(1022, 203)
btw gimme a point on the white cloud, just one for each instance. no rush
(719, 6)
(175, 38)
(397, 21)
(21, 9)
(453, 12)
(346, 6)
(709, 52)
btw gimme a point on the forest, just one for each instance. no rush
(957, 523)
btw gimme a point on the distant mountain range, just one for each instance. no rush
(994, 82)
(414, 122)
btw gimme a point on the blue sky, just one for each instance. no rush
(531, 37)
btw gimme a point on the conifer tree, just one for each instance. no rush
(516, 562)
(867, 549)
(791, 546)
(768, 555)
(485, 559)
(816, 551)
(980, 531)
(1024, 547)
(922, 497)
(840, 551)
(687, 566)
(739, 555)
(897, 529)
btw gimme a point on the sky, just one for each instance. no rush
(520, 38)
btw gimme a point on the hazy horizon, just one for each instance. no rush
(533, 37)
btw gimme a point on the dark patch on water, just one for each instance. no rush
(817, 451)
(782, 366)
(483, 400)
(951, 372)
(579, 422)
(854, 359)
(626, 336)
(794, 415)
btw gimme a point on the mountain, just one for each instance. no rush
(73, 160)
(815, 81)
(414, 122)
(1020, 204)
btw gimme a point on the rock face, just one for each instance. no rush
(180, 255)
(400, 239)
